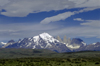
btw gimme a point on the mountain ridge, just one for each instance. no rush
(46, 41)
(41, 41)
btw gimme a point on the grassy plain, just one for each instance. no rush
(29, 57)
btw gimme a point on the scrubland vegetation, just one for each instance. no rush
(29, 57)
(50, 62)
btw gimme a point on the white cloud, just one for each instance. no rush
(92, 23)
(85, 31)
(78, 3)
(78, 19)
(4, 2)
(22, 30)
(90, 28)
(88, 3)
(88, 9)
(64, 16)
(21, 8)
(58, 17)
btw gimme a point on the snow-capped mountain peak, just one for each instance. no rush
(45, 35)
(36, 38)
(41, 41)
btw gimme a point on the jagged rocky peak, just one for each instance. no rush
(19, 40)
(58, 38)
(98, 43)
(75, 43)
(76, 40)
(65, 39)
(11, 41)
(69, 40)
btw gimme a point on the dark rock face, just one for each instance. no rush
(11, 41)
(76, 41)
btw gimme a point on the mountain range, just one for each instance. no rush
(46, 41)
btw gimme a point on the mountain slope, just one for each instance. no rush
(74, 44)
(41, 41)
(94, 46)
(90, 47)
(46, 41)
(2, 44)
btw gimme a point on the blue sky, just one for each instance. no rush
(27, 18)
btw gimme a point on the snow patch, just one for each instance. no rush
(30, 39)
(36, 38)
(47, 37)
(84, 43)
(3, 43)
(72, 47)
(19, 41)
(34, 47)
(94, 44)
(48, 45)
(29, 44)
